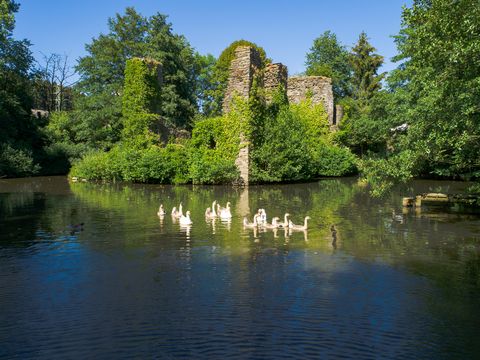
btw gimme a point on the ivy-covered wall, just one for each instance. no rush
(141, 100)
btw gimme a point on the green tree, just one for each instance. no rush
(98, 109)
(364, 128)
(436, 92)
(205, 83)
(365, 64)
(327, 57)
(439, 45)
(19, 135)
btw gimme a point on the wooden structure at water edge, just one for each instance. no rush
(441, 199)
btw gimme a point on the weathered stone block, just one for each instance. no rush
(318, 87)
(275, 76)
(243, 67)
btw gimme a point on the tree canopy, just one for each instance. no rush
(327, 57)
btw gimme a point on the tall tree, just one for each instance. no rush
(436, 91)
(53, 83)
(102, 72)
(19, 134)
(365, 64)
(440, 76)
(327, 57)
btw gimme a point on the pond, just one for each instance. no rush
(91, 271)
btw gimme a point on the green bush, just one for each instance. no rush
(332, 160)
(16, 162)
(208, 166)
(155, 164)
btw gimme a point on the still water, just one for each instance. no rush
(90, 271)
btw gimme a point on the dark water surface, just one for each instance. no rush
(126, 284)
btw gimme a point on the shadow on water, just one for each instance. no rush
(93, 265)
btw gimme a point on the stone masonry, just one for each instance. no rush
(275, 75)
(242, 70)
(246, 64)
(318, 87)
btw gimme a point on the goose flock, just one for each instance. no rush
(225, 213)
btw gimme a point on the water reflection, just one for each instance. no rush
(95, 265)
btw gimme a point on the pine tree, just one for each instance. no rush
(365, 63)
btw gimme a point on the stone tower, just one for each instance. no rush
(242, 70)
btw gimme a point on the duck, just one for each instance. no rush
(273, 225)
(185, 219)
(209, 214)
(224, 213)
(303, 227)
(398, 218)
(285, 223)
(250, 225)
(161, 211)
(177, 214)
(262, 219)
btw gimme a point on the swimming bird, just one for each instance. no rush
(398, 218)
(177, 214)
(285, 222)
(185, 219)
(273, 225)
(262, 219)
(292, 226)
(213, 212)
(161, 211)
(225, 213)
(250, 225)
(208, 214)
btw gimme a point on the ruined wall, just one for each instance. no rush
(275, 75)
(242, 69)
(319, 87)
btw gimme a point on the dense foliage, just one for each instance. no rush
(327, 57)
(20, 138)
(436, 92)
(421, 119)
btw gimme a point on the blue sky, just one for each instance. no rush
(285, 29)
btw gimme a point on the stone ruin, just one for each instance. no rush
(318, 87)
(242, 70)
(247, 64)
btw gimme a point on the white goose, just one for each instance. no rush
(285, 223)
(161, 211)
(224, 213)
(262, 219)
(250, 225)
(185, 219)
(273, 225)
(177, 214)
(292, 226)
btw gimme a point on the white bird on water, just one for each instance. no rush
(161, 211)
(177, 214)
(292, 226)
(250, 225)
(285, 221)
(224, 213)
(185, 219)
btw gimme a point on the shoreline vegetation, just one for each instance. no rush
(115, 124)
